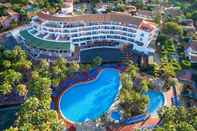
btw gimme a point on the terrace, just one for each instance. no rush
(43, 44)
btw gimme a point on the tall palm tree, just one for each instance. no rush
(144, 86)
(22, 89)
(5, 88)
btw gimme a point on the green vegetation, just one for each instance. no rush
(50, 5)
(34, 82)
(2, 11)
(169, 65)
(132, 100)
(188, 7)
(42, 44)
(14, 64)
(19, 1)
(172, 28)
(177, 119)
(97, 61)
(36, 115)
(186, 64)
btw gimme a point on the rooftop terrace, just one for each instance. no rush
(43, 44)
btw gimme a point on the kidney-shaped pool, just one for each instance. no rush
(89, 100)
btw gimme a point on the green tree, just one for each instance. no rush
(172, 28)
(59, 70)
(19, 1)
(132, 70)
(43, 68)
(144, 86)
(177, 119)
(21, 89)
(73, 67)
(5, 88)
(194, 16)
(34, 116)
(157, 18)
(97, 61)
(40, 87)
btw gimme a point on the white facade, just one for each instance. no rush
(191, 52)
(68, 7)
(81, 33)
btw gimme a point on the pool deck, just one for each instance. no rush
(148, 123)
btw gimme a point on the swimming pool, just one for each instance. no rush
(156, 101)
(89, 100)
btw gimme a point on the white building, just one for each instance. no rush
(191, 52)
(58, 36)
(68, 7)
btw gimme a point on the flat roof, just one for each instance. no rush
(43, 44)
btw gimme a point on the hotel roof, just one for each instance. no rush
(147, 26)
(118, 17)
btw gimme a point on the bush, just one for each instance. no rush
(185, 64)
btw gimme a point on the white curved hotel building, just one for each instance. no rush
(49, 36)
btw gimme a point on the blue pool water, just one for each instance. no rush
(156, 100)
(90, 100)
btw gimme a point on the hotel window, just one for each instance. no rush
(142, 35)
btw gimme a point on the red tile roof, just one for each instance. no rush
(119, 17)
(147, 26)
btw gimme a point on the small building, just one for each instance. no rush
(186, 22)
(144, 1)
(191, 51)
(102, 7)
(172, 12)
(188, 26)
(188, 78)
(6, 21)
(146, 14)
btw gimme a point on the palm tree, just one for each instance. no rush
(132, 71)
(167, 72)
(73, 67)
(43, 68)
(97, 61)
(23, 65)
(127, 82)
(5, 88)
(22, 89)
(144, 86)
(156, 70)
(6, 64)
(33, 115)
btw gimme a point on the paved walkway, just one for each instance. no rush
(152, 121)
(168, 95)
